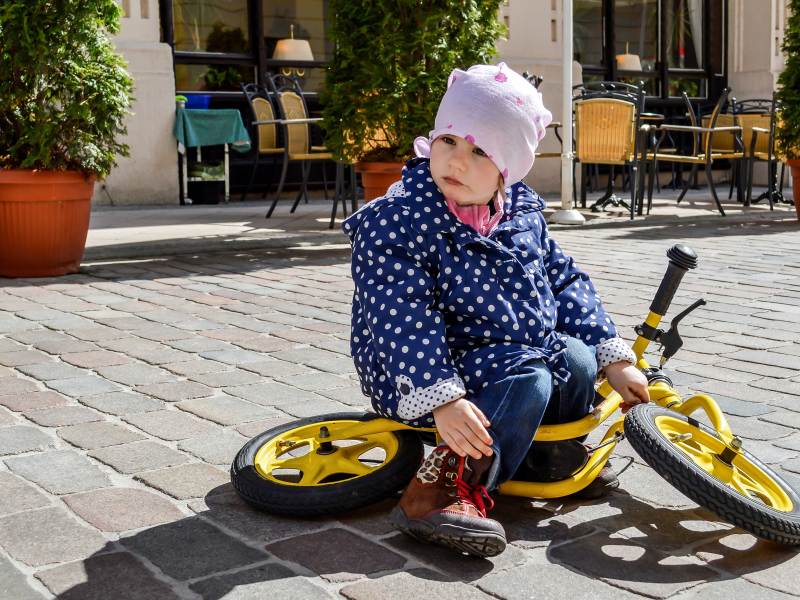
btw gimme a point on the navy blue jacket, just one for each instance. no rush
(439, 310)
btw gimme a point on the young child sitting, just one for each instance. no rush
(469, 316)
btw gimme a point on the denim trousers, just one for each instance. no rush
(519, 403)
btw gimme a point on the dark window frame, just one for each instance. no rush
(715, 76)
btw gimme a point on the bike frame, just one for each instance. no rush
(660, 393)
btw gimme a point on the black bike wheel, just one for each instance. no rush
(744, 492)
(286, 471)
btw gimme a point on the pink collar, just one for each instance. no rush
(477, 215)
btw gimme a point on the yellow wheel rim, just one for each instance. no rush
(742, 475)
(293, 457)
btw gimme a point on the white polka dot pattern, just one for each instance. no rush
(416, 402)
(613, 350)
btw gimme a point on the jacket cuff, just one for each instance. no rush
(613, 350)
(415, 402)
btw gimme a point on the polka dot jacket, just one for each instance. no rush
(440, 311)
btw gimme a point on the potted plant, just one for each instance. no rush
(64, 95)
(389, 71)
(788, 132)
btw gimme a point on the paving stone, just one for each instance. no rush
(122, 403)
(13, 583)
(266, 343)
(271, 393)
(65, 345)
(19, 495)
(236, 356)
(24, 357)
(276, 368)
(192, 368)
(734, 588)
(784, 417)
(170, 424)
(766, 358)
(9, 346)
(268, 581)
(122, 509)
(549, 580)
(178, 390)
(95, 334)
(738, 553)
(229, 510)
(350, 395)
(59, 471)
(417, 583)
(186, 481)
(226, 410)
(7, 418)
(17, 385)
(354, 556)
(135, 374)
(313, 407)
(48, 535)
(55, 370)
(63, 415)
(719, 373)
(256, 427)
(18, 439)
(139, 456)
(645, 484)
(218, 448)
(5, 371)
(200, 344)
(204, 549)
(98, 435)
(227, 378)
(145, 350)
(95, 359)
(118, 575)
(33, 401)
(656, 575)
(315, 382)
(77, 387)
(759, 369)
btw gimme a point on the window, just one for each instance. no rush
(212, 43)
(671, 45)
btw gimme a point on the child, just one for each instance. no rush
(468, 315)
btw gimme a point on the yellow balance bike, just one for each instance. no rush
(343, 461)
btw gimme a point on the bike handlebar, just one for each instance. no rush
(681, 259)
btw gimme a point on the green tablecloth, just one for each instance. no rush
(209, 127)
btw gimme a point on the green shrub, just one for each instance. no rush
(788, 135)
(64, 91)
(390, 68)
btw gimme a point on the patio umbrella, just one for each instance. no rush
(566, 215)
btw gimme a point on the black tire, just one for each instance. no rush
(336, 496)
(780, 523)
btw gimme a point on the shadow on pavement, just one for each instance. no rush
(228, 546)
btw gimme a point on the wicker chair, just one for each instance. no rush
(263, 130)
(297, 135)
(707, 146)
(606, 132)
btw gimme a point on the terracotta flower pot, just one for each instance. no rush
(794, 164)
(377, 177)
(44, 219)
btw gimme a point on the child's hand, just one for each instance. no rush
(629, 382)
(462, 426)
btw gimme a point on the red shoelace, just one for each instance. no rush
(474, 494)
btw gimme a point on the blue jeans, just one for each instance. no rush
(517, 404)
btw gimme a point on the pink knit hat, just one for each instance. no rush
(496, 109)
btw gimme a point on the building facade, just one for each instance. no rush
(210, 46)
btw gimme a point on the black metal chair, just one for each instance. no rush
(761, 146)
(296, 126)
(263, 131)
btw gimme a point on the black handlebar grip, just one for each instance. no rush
(681, 259)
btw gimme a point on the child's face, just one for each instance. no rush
(463, 171)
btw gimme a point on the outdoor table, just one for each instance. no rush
(195, 128)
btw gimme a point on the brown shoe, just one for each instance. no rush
(601, 486)
(445, 504)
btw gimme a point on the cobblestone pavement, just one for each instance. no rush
(126, 390)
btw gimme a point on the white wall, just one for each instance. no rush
(150, 174)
